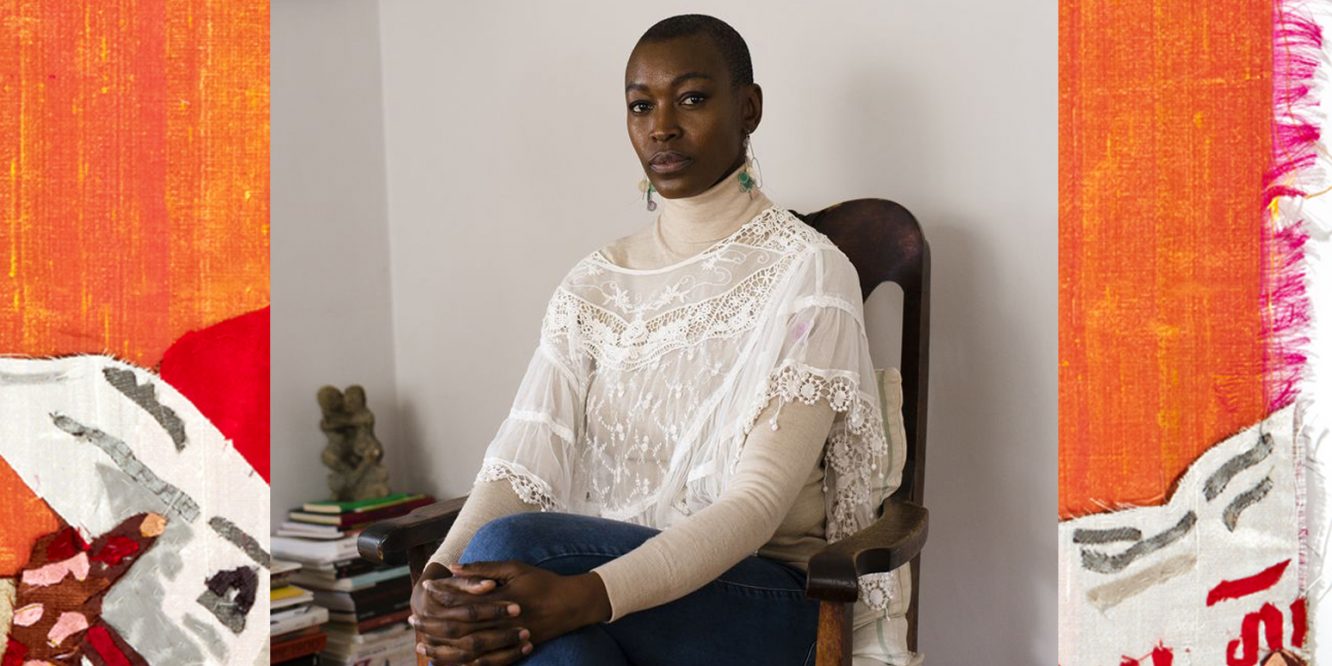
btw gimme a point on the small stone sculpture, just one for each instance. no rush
(353, 452)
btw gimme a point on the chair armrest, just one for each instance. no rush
(389, 541)
(893, 540)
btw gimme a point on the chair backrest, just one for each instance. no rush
(885, 244)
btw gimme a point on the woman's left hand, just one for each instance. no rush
(552, 604)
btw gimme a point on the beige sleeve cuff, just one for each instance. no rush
(684, 557)
(488, 500)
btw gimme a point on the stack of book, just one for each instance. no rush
(367, 605)
(337, 520)
(294, 622)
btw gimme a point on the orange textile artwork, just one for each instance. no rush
(1189, 137)
(134, 334)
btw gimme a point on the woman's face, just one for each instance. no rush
(686, 121)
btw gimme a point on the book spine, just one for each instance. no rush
(296, 648)
(383, 611)
(382, 621)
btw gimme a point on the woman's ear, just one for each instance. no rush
(751, 107)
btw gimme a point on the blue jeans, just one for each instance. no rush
(754, 613)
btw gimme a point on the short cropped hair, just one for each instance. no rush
(728, 41)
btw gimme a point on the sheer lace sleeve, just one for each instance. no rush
(528, 463)
(824, 358)
(534, 447)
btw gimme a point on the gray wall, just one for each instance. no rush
(507, 159)
(331, 321)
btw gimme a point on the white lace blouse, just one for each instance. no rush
(646, 384)
(650, 380)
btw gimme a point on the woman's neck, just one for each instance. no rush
(690, 224)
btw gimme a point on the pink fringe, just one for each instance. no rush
(1297, 42)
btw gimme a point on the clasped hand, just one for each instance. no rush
(494, 613)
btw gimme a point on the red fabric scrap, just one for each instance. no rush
(101, 641)
(115, 549)
(223, 369)
(1299, 621)
(66, 544)
(14, 653)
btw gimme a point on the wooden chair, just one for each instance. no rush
(885, 243)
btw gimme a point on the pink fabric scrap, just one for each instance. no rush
(28, 615)
(69, 624)
(55, 572)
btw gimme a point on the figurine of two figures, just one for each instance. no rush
(353, 452)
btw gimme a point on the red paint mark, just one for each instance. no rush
(115, 549)
(1270, 618)
(14, 653)
(1234, 589)
(66, 544)
(1162, 656)
(223, 370)
(101, 641)
(1299, 622)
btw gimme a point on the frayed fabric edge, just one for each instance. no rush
(1295, 175)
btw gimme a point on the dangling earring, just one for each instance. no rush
(746, 175)
(645, 186)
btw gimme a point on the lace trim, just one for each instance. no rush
(880, 590)
(529, 487)
(857, 450)
(764, 230)
(631, 343)
(796, 381)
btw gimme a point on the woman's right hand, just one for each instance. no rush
(454, 627)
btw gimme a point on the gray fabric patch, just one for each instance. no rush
(1102, 563)
(1243, 501)
(231, 609)
(228, 530)
(19, 378)
(1110, 535)
(1218, 480)
(225, 611)
(175, 499)
(145, 396)
(1111, 594)
(209, 636)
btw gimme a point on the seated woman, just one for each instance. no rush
(699, 418)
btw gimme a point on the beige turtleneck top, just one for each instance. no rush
(774, 506)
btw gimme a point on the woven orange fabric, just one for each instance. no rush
(134, 139)
(23, 518)
(1165, 114)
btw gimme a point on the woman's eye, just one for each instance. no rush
(638, 107)
(693, 100)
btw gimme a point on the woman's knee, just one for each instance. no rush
(509, 537)
(588, 645)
